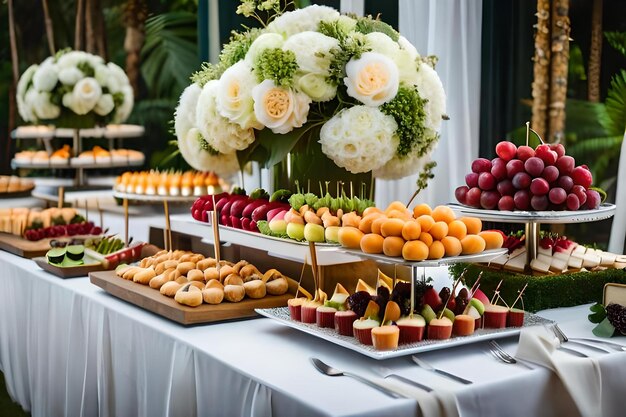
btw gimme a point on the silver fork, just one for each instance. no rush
(559, 336)
(501, 354)
(564, 339)
(388, 373)
(425, 365)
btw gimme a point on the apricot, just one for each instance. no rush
(392, 246)
(439, 230)
(372, 243)
(415, 250)
(452, 245)
(426, 238)
(392, 227)
(399, 214)
(436, 250)
(422, 209)
(426, 222)
(396, 205)
(371, 210)
(365, 225)
(443, 214)
(411, 230)
(457, 228)
(472, 244)
(493, 239)
(473, 224)
(350, 237)
(377, 223)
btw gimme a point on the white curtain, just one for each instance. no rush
(450, 29)
(353, 6)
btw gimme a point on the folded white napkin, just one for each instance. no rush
(438, 403)
(580, 376)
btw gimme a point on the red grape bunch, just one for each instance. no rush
(524, 178)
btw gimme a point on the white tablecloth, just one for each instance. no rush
(69, 349)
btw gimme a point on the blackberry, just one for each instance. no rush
(617, 316)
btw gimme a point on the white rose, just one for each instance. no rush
(403, 166)
(372, 79)
(312, 50)
(219, 132)
(105, 105)
(26, 111)
(430, 88)
(117, 78)
(300, 20)
(185, 113)
(280, 109)
(126, 107)
(224, 165)
(316, 86)
(71, 59)
(360, 138)
(43, 108)
(45, 78)
(86, 94)
(234, 98)
(102, 74)
(263, 42)
(70, 75)
(383, 44)
(408, 47)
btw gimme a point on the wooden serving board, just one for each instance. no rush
(152, 300)
(23, 247)
(70, 271)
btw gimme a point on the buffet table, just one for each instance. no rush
(68, 348)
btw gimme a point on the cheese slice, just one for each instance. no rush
(579, 250)
(591, 260)
(607, 258)
(539, 265)
(544, 251)
(558, 265)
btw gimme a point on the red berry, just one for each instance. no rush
(481, 165)
(506, 150)
(506, 203)
(486, 181)
(534, 166)
(471, 179)
(513, 167)
(565, 164)
(525, 152)
(582, 176)
(460, 193)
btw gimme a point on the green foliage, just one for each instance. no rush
(543, 292)
(349, 47)
(86, 69)
(277, 65)
(169, 54)
(368, 24)
(617, 40)
(616, 104)
(407, 108)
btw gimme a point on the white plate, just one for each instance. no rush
(281, 315)
(549, 217)
(485, 257)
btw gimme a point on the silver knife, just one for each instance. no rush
(588, 346)
(615, 346)
(573, 352)
(425, 365)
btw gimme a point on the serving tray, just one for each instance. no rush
(90, 265)
(152, 300)
(605, 211)
(281, 315)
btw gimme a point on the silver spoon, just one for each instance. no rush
(330, 371)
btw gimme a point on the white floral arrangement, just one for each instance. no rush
(354, 83)
(74, 89)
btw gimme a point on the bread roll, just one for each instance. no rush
(161, 279)
(195, 275)
(277, 286)
(130, 272)
(249, 270)
(211, 273)
(255, 288)
(184, 267)
(234, 293)
(214, 284)
(189, 295)
(170, 288)
(206, 263)
(144, 276)
(213, 295)
(225, 271)
(237, 267)
(233, 279)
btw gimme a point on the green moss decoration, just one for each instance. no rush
(543, 292)
(407, 108)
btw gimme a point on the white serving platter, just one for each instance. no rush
(483, 257)
(605, 211)
(281, 315)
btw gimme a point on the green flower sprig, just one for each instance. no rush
(368, 24)
(271, 8)
(352, 46)
(407, 108)
(205, 146)
(278, 65)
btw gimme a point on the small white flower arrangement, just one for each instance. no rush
(354, 84)
(74, 89)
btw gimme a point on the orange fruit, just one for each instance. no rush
(473, 224)
(439, 230)
(443, 214)
(426, 238)
(392, 227)
(421, 209)
(472, 244)
(411, 230)
(372, 243)
(350, 237)
(392, 246)
(399, 214)
(365, 225)
(493, 239)
(457, 228)
(452, 245)
(377, 223)
(415, 250)
(396, 205)
(436, 250)
(426, 222)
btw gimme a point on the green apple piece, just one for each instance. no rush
(449, 314)
(120, 266)
(478, 305)
(471, 311)
(278, 226)
(313, 232)
(295, 231)
(332, 234)
(428, 313)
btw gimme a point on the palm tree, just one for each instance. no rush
(541, 76)
(49, 27)
(135, 15)
(78, 32)
(595, 53)
(558, 69)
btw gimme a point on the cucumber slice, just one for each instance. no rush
(75, 252)
(56, 255)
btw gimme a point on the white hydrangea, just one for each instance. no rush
(42, 107)
(400, 167)
(312, 50)
(105, 105)
(263, 42)
(430, 88)
(360, 138)
(185, 113)
(25, 111)
(124, 110)
(46, 77)
(234, 95)
(70, 75)
(72, 59)
(373, 79)
(408, 47)
(224, 165)
(222, 135)
(301, 20)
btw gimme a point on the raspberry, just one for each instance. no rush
(617, 316)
